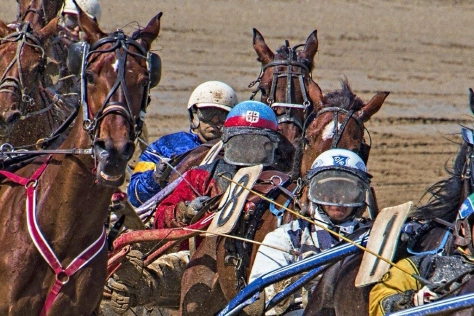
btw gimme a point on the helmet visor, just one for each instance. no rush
(249, 150)
(337, 187)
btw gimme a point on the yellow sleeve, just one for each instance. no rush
(143, 166)
(393, 282)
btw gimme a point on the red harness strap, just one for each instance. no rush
(62, 275)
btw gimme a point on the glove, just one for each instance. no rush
(123, 297)
(195, 206)
(425, 295)
(160, 169)
(124, 284)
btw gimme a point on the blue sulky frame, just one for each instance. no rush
(315, 264)
(439, 307)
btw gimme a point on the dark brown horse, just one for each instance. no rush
(214, 276)
(68, 195)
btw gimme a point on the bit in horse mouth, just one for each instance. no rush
(110, 178)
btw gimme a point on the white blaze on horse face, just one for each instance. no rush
(328, 131)
(115, 65)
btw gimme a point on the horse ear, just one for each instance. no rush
(90, 27)
(310, 47)
(150, 32)
(4, 29)
(265, 54)
(373, 106)
(50, 29)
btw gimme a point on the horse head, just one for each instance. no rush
(117, 72)
(285, 82)
(38, 13)
(21, 72)
(286, 85)
(339, 123)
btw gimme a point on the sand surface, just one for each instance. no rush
(420, 51)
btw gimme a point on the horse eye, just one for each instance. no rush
(89, 78)
(144, 83)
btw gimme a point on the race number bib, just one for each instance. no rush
(233, 200)
(383, 241)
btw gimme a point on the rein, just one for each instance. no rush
(62, 274)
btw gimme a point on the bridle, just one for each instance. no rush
(40, 12)
(295, 68)
(121, 46)
(364, 148)
(16, 86)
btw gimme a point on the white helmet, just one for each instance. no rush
(338, 177)
(339, 157)
(91, 7)
(213, 94)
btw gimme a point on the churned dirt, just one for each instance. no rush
(421, 51)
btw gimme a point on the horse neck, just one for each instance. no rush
(84, 203)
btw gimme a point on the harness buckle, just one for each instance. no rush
(31, 184)
(280, 180)
(88, 125)
(62, 277)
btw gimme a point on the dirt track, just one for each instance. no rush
(420, 51)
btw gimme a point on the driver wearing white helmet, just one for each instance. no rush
(69, 14)
(338, 184)
(207, 107)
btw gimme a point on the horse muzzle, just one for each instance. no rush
(112, 161)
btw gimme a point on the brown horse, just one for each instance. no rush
(28, 111)
(38, 13)
(214, 275)
(286, 85)
(54, 259)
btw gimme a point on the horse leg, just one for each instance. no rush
(200, 290)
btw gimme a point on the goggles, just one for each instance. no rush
(208, 115)
(70, 21)
(337, 187)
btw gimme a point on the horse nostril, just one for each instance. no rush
(12, 116)
(128, 150)
(100, 149)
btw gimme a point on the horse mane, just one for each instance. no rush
(446, 194)
(343, 98)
